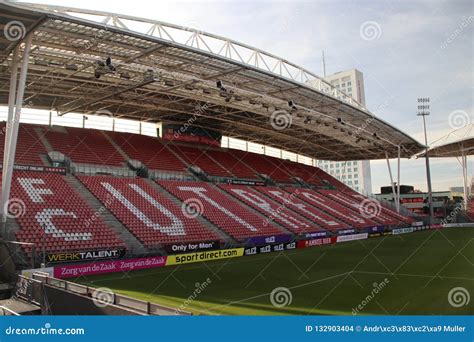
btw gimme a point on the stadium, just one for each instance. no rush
(164, 219)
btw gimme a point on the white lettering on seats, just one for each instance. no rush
(321, 202)
(175, 228)
(301, 206)
(34, 193)
(44, 218)
(264, 205)
(200, 192)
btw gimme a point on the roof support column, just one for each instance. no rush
(464, 176)
(12, 129)
(391, 178)
(398, 180)
(11, 107)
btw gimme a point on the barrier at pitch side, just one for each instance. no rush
(69, 271)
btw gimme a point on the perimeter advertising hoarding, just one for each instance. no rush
(36, 168)
(269, 248)
(375, 231)
(100, 267)
(353, 237)
(264, 240)
(314, 235)
(204, 256)
(246, 182)
(191, 247)
(346, 231)
(316, 242)
(111, 253)
(402, 231)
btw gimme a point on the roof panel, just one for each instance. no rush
(164, 79)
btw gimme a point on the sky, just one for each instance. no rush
(405, 49)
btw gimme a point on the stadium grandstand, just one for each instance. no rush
(67, 190)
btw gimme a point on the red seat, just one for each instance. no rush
(52, 214)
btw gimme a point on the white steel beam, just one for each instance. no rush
(14, 126)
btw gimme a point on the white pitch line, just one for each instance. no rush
(292, 287)
(413, 275)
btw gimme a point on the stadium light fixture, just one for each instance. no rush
(220, 85)
(292, 105)
(423, 111)
(72, 67)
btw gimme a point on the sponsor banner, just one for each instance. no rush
(346, 231)
(417, 224)
(265, 240)
(191, 247)
(376, 229)
(353, 237)
(29, 273)
(387, 232)
(269, 248)
(48, 169)
(100, 267)
(246, 182)
(316, 242)
(314, 235)
(372, 235)
(402, 230)
(112, 253)
(204, 256)
(436, 226)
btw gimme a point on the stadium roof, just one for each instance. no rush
(168, 73)
(453, 149)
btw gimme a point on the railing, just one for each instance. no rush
(90, 169)
(109, 297)
(18, 245)
(4, 311)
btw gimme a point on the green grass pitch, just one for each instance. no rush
(417, 270)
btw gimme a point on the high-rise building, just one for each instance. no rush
(355, 174)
